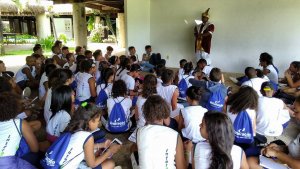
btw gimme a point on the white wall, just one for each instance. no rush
(244, 29)
(137, 16)
(64, 26)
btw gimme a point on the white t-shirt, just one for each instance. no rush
(120, 72)
(166, 92)
(72, 68)
(271, 115)
(20, 76)
(156, 147)
(251, 113)
(180, 73)
(107, 89)
(273, 75)
(140, 103)
(10, 137)
(202, 156)
(83, 88)
(159, 82)
(206, 70)
(126, 104)
(129, 81)
(192, 116)
(42, 90)
(255, 83)
(75, 148)
(58, 123)
(47, 111)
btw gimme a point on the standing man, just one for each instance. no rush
(203, 34)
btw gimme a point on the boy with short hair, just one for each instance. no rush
(25, 76)
(108, 53)
(214, 85)
(254, 81)
(129, 79)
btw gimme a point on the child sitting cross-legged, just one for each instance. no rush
(118, 107)
(81, 145)
(158, 145)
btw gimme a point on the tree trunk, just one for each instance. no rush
(1, 37)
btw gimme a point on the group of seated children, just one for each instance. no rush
(178, 120)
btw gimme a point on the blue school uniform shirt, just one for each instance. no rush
(208, 86)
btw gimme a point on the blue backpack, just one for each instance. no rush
(182, 86)
(102, 98)
(23, 146)
(56, 151)
(216, 100)
(117, 121)
(243, 128)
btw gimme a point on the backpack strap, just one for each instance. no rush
(67, 162)
(118, 100)
(17, 128)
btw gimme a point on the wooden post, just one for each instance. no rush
(79, 24)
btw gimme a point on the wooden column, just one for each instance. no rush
(79, 24)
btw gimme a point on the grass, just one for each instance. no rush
(29, 52)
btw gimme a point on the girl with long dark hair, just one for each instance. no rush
(218, 151)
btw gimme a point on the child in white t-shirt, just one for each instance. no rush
(191, 116)
(218, 151)
(272, 113)
(105, 84)
(149, 89)
(129, 79)
(86, 83)
(180, 72)
(158, 145)
(254, 81)
(244, 100)
(61, 106)
(169, 92)
(188, 67)
(266, 61)
(57, 78)
(119, 91)
(82, 146)
(43, 88)
(123, 68)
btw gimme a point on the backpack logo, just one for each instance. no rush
(215, 101)
(243, 128)
(117, 121)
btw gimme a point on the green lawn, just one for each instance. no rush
(29, 52)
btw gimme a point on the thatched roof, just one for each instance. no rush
(9, 8)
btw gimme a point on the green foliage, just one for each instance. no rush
(97, 34)
(63, 38)
(90, 23)
(25, 36)
(46, 43)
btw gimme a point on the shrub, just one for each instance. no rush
(63, 38)
(46, 43)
